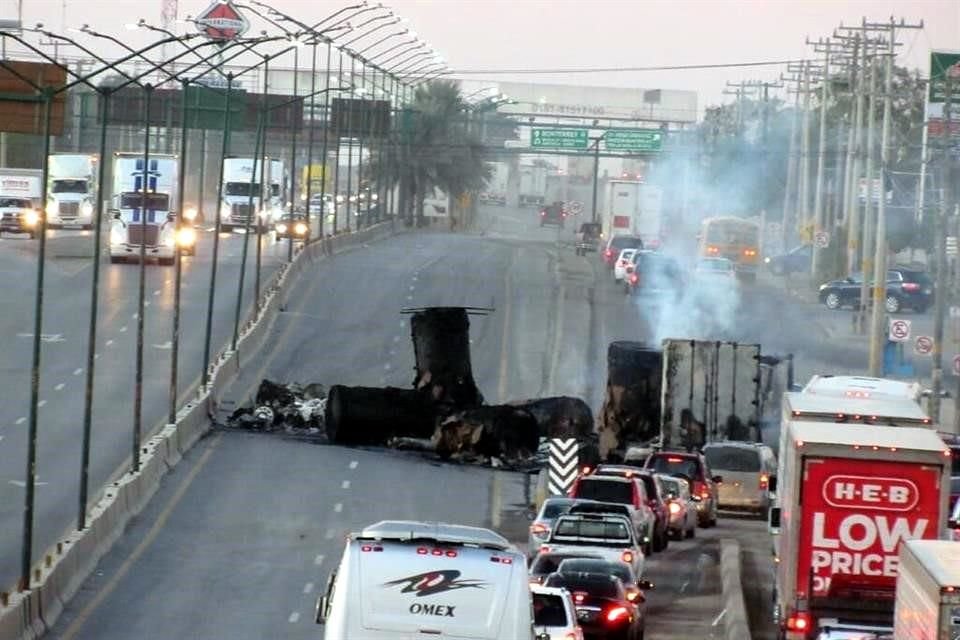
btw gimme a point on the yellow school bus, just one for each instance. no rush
(735, 239)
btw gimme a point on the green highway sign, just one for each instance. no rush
(943, 63)
(559, 138)
(636, 140)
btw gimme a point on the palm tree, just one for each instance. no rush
(435, 149)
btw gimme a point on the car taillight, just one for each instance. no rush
(608, 253)
(674, 508)
(634, 278)
(701, 489)
(764, 481)
(579, 597)
(539, 529)
(799, 621)
(544, 549)
(910, 286)
(627, 556)
(617, 614)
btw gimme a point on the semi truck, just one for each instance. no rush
(243, 199)
(142, 206)
(533, 185)
(927, 604)
(71, 190)
(20, 193)
(634, 208)
(279, 188)
(848, 496)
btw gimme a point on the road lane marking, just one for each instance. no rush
(123, 329)
(20, 420)
(59, 387)
(146, 304)
(307, 588)
(353, 464)
(412, 287)
(77, 371)
(318, 560)
(22, 484)
(409, 297)
(396, 338)
(77, 625)
(683, 587)
(157, 292)
(293, 617)
(387, 366)
(41, 403)
(717, 620)
(134, 316)
(337, 508)
(345, 484)
(495, 501)
(109, 342)
(96, 356)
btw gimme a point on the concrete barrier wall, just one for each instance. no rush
(63, 568)
(736, 623)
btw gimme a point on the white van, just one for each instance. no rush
(401, 580)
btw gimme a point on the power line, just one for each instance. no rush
(680, 67)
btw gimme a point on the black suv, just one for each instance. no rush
(906, 288)
(655, 498)
(553, 214)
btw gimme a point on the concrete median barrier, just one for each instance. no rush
(736, 623)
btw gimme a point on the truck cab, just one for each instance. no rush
(244, 202)
(71, 191)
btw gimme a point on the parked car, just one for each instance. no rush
(797, 260)
(681, 507)
(655, 492)
(634, 586)
(553, 214)
(905, 288)
(616, 244)
(653, 274)
(620, 266)
(746, 468)
(603, 610)
(545, 563)
(540, 527)
(608, 536)
(554, 613)
(626, 491)
(695, 467)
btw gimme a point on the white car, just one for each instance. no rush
(716, 269)
(620, 266)
(554, 615)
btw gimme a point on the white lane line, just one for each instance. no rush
(109, 342)
(353, 464)
(157, 292)
(123, 329)
(59, 387)
(717, 620)
(1, 438)
(409, 297)
(147, 303)
(345, 484)
(683, 587)
(387, 366)
(20, 420)
(412, 287)
(77, 372)
(393, 352)
(337, 508)
(293, 617)
(329, 535)
(318, 560)
(96, 356)
(396, 338)
(134, 316)
(308, 588)
(403, 324)
(41, 403)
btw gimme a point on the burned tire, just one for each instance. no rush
(371, 416)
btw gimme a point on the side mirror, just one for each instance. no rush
(718, 479)
(772, 484)
(645, 585)
(323, 603)
(531, 514)
(773, 521)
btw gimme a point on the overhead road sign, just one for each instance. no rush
(637, 140)
(559, 138)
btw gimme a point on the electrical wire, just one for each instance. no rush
(677, 67)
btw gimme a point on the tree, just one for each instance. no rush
(436, 148)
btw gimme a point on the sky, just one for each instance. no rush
(492, 35)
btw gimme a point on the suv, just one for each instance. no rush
(746, 467)
(553, 214)
(905, 288)
(616, 244)
(624, 491)
(656, 498)
(694, 466)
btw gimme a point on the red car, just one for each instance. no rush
(704, 484)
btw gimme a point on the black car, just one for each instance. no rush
(655, 498)
(553, 214)
(292, 225)
(603, 610)
(634, 586)
(545, 564)
(653, 273)
(905, 288)
(797, 260)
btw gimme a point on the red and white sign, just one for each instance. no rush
(899, 330)
(855, 514)
(923, 345)
(222, 21)
(956, 365)
(821, 239)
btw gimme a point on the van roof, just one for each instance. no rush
(904, 438)
(829, 405)
(941, 558)
(408, 530)
(838, 385)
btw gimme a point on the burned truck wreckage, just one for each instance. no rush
(678, 395)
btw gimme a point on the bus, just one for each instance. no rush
(735, 239)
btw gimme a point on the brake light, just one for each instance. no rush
(579, 597)
(713, 250)
(799, 621)
(910, 286)
(539, 529)
(617, 614)
(608, 253)
(701, 489)
(674, 459)
(586, 471)
(764, 481)
(634, 278)
(674, 508)
(543, 214)
(500, 560)
(544, 549)
(749, 252)
(627, 556)
(367, 548)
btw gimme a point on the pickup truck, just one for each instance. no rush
(588, 238)
(606, 536)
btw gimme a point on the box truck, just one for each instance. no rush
(20, 193)
(533, 185)
(243, 200)
(633, 208)
(71, 190)
(928, 591)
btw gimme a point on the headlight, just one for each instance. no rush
(339, 199)
(303, 196)
(186, 237)
(767, 260)
(116, 235)
(300, 229)
(281, 228)
(86, 209)
(263, 214)
(190, 214)
(375, 197)
(52, 208)
(31, 217)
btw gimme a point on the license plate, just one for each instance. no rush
(72, 225)
(585, 616)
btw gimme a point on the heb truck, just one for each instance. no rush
(848, 497)
(71, 190)
(634, 208)
(20, 194)
(928, 591)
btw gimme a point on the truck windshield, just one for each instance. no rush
(154, 201)
(69, 186)
(604, 529)
(14, 203)
(605, 491)
(241, 189)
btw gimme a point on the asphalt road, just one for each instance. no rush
(243, 534)
(63, 369)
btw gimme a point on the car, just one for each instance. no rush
(603, 610)
(655, 493)
(746, 468)
(18, 215)
(292, 225)
(605, 535)
(694, 466)
(654, 274)
(545, 563)
(620, 490)
(592, 506)
(681, 507)
(618, 243)
(797, 260)
(634, 586)
(716, 271)
(588, 237)
(553, 214)
(540, 527)
(620, 266)
(905, 288)
(554, 615)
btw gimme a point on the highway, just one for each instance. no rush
(243, 534)
(63, 369)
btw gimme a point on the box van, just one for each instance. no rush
(746, 469)
(399, 580)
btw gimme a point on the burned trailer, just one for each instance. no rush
(711, 391)
(374, 415)
(630, 413)
(559, 416)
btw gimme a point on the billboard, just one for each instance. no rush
(354, 117)
(21, 110)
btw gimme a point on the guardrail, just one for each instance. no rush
(29, 614)
(736, 623)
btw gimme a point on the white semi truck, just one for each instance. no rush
(242, 186)
(533, 185)
(71, 191)
(634, 208)
(20, 192)
(147, 219)
(927, 605)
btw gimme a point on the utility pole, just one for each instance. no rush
(818, 221)
(789, 193)
(804, 198)
(936, 378)
(866, 255)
